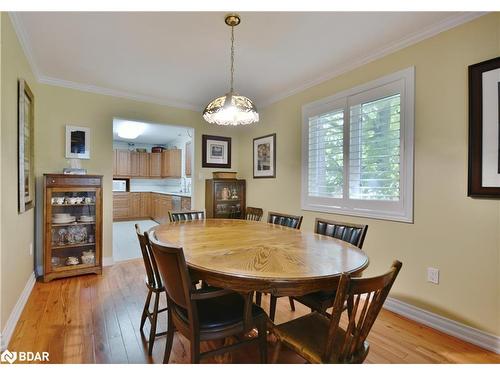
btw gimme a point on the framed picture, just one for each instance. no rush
(26, 182)
(216, 151)
(77, 142)
(484, 129)
(264, 156)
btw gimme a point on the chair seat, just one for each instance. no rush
(307, 336)
(220, 311)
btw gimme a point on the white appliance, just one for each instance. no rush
(119, 185)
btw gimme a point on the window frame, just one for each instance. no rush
(402, 82)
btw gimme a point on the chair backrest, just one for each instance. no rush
(362, 312)
(152, 273)
(285, 220)
(174, 272)
(352, 233)
(186, 215)
(254, 213)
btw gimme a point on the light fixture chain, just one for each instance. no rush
(232, 57)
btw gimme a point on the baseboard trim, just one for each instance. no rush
(107, 261)
(16, 313)
(451, 327)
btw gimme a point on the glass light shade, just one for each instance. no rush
(130, 129)
(231, 109)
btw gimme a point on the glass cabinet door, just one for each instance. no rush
(72, 223)
(228, 196)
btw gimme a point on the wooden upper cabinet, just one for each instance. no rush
(135, 164)
(122, 163)
(187, 166)
(171, 163)
(143, 164)
(155, 159)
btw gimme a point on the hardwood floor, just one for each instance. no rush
(95, 319)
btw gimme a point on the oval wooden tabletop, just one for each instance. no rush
(254, 256)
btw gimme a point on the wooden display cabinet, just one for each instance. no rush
(72, 225)
(225, 198)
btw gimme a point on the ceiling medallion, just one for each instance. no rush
(231, 109)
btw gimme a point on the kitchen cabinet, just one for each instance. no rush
(120, 205)
(187, 164)
(134, 164)
(134, 205)
(176, 203)
(155, 159)
(225, 198)
(145, 205)
(122, 163)
(143, 164)
(185, 203)
(171, 163)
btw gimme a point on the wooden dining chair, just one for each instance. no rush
(320, 339)
(352, 233)
(155, 286)
(285, 220)
(204, 314)
(186, 215)
(254, 213)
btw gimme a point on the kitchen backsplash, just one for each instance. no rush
(163, 185)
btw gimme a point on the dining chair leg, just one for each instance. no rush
(276, 353)
(272, 307)
(170, 338)
(292, 304)
(258, 298)
(195, 350)
(152, 333)
(262, 327)
(146, 309)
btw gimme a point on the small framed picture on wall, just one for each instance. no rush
(216, 151)
(264, 156)
(77, 142)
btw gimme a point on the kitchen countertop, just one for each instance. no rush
(188, 195)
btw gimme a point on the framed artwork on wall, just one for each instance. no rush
(26, 144)
(77, 142)
(484, 129)
(216, 151)
(264, 156)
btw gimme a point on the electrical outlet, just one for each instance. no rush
(31, 249)
(433, 275)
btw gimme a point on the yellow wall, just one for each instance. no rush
(17, 229)
(456, 234)
(61, 106)
(54, 108)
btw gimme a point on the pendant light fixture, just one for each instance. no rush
(231, 109)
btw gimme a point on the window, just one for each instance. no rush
(357, 150)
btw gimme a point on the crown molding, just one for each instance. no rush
(429, 32)
(25, 45)
(348, 66)
(23, 41)
(116, 93)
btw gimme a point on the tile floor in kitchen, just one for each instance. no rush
(125, 242)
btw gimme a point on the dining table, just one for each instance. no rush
(253, 256)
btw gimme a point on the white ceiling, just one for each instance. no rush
(154, 134)
(182, 58)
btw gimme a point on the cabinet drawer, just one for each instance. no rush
(60, 181)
